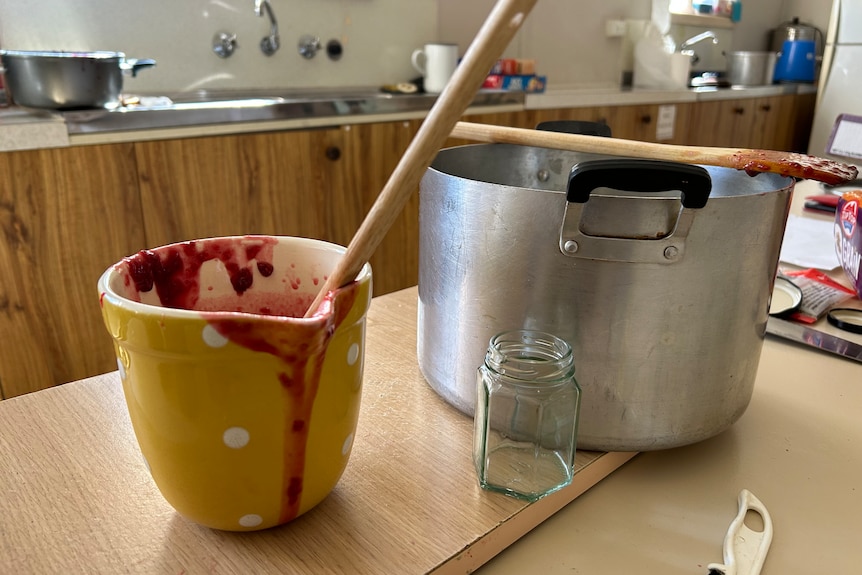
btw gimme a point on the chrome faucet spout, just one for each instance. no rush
(685, 47)
(698, 38)
(269, 44)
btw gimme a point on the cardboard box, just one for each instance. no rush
(514, 67)
(848, 237)
(516, 83)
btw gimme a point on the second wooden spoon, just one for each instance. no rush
(752, 161)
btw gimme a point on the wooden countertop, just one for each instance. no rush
(75, 495)
(798, 448)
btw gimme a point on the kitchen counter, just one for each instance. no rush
(77, 497)
(797, 448)
(22, 130)
(207, 114)
(634, 96)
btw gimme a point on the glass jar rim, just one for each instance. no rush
(530, 356)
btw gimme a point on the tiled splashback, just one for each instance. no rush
(566, 37)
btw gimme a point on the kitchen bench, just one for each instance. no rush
(77, 498)
(798, 448)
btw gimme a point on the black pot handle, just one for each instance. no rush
(635, 175)
(576, 127)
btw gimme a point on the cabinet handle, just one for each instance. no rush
(739, 111)
(766, 107)
(646, 119)
(333, 153)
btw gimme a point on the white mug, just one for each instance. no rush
(436, 63)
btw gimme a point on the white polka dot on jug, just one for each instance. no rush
(348, 442)
(213, 338)
(250, 520)
(235, 437)
(353, 354)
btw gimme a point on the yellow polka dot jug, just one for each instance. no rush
(244, 411)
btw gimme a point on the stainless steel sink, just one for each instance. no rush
(232, 106)
(306, 95)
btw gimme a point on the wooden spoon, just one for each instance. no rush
(501, 25)
(752, 161)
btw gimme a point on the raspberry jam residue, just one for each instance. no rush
(174, 271)
(272, 323)
(794, 165)
(301, 349)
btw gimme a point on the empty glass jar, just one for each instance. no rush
(526, 416)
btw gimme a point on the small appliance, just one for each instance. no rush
(796, 61)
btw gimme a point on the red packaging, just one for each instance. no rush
(514, 67)
(848, 236)
(529, 84)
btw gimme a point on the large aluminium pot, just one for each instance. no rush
(750, 68)
(665, 306)
(67, 80)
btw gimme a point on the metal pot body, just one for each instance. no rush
(666, 349)
(794, 31)
(750, 68)
(66, 80)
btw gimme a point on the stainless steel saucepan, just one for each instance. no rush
(67, 80)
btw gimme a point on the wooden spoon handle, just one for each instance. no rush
(504, 20)
(752, 161)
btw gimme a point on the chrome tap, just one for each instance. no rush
(269, 44)
(685, 47)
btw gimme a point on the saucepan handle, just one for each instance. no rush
(133, 65)
(635, 175)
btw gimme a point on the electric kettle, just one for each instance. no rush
(799, 47)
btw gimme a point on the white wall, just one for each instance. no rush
(566, 37)
(813, 12)
(378, 36)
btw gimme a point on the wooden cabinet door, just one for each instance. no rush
(373, 152)
(723, 123)
(802, 119)
(311, 183)
(269, 183)
(587, 114)
(66, 214)
(626, 122)
(772, 126)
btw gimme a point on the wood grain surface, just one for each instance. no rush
(77, 498)
(66, 214)
(751, 160)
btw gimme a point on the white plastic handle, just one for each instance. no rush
(745, 549)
